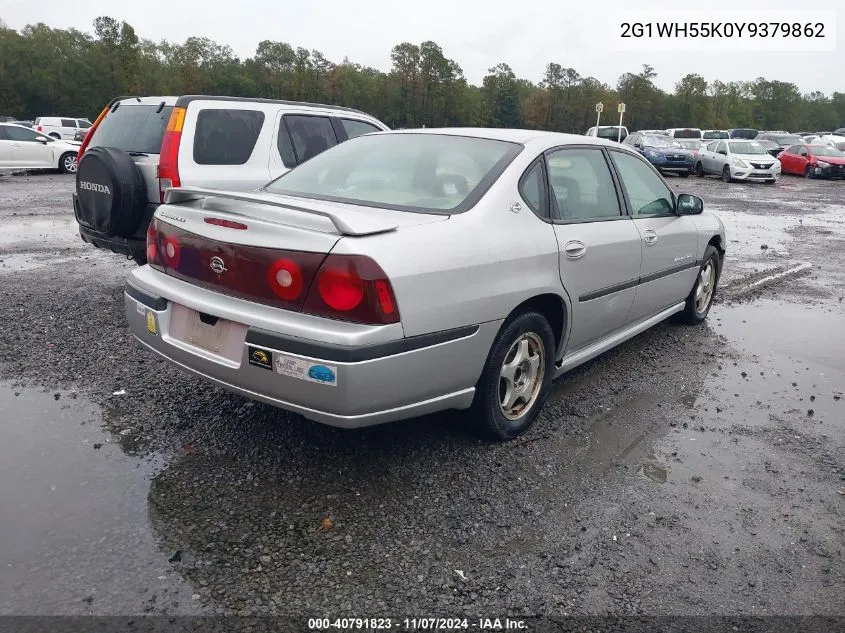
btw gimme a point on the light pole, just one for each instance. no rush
(621, 109)
(599, 108)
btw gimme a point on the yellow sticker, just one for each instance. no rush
(151, 322)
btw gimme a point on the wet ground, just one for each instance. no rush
(689, 471)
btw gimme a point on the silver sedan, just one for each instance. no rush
(409, 272)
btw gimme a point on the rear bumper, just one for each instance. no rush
(370, 383)
(134, 246)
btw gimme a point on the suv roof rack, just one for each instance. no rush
(186, 99)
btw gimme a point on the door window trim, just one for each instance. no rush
(623, 215)
(628, 205)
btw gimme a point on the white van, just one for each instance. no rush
(141, 146)
(60, 127)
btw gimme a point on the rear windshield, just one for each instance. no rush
(789, 140)
(133, 128)
(714, 134)
(744, 133)
(687, 134)
(610, 133)
(406, 172)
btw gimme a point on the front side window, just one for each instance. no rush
(581, 185)
(403, 171)
(84, 124)
(15, 133)
(311, 135)
(226, 137)
(647, 193)
(355, 128)
(722, 147)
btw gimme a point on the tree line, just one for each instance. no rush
(47, 71)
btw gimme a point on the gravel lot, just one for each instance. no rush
(689, 471)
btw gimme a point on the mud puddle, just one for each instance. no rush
(76, 537)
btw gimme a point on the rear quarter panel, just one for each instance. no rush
(475, 267)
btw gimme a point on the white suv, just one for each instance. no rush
(140, 146)
(60, 127)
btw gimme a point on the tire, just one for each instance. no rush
(140, 259)
(699, 169)
(808, 172)
(67, 163)
(726, 174)
(526, 331)
(695, 310)
(55, 135)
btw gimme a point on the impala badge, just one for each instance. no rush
(218, 265)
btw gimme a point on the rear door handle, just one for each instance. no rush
(649, 237)
(574, 249)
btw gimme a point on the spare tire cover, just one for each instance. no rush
(111, 191)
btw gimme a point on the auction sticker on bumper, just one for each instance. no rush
(306, 370)
(260, 357)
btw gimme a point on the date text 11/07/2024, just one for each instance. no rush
(416, 624)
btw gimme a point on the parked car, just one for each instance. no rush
(714, 134)
(810, 138)
(839, 132)
(141, 146)
(693, 146)
(319, 293)
(813, 161)
(658, 132)
(609, 132)
(24, 148)
(770, 146)
(663, 152)
(80, 135)
(743, 132)
(738, 160)
(832, 140)
(23, 123)
(61, 127)
(782, 140)
(684, 132)
(7, 119)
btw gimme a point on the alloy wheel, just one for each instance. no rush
(521, 376)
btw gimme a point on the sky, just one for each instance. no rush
(478, 34)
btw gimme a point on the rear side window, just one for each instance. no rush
(311, 135)
(226, 137)
(133, 128)
(357, 128)
(68, 122)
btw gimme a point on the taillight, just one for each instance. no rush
(90, 134)
(284, 276)
(152, 246)
(352, 288)
(228, 224)
(168, 164)
(171, 252)
(40, 128)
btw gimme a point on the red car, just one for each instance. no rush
(813, 161)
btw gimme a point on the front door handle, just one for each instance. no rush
(649, 237)
(574, 249)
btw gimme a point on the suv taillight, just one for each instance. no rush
(152, 246)
(88, 136)
(168, 163)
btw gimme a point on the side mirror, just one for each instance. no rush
(42, 139)
(689, 205)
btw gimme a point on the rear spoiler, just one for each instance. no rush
(350, 222)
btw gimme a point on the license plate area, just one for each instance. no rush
(214, 335)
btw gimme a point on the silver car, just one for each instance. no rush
(738, 160)
(409, 272)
